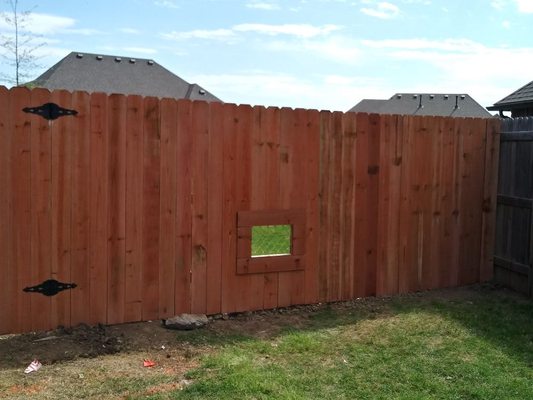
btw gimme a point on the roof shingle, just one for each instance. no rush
(124, 75)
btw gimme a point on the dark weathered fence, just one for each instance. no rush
(147, 206)
(514, 221)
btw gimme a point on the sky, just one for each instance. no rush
(320, 54)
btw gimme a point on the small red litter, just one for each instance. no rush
(148, 363)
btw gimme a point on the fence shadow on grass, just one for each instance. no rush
(498, 316)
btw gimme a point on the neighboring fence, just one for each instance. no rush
(146, 206)
(514, 222)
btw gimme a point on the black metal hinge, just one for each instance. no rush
(50, 111)
(51, 287)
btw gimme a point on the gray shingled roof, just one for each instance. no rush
(455, 105)
(125, 75)
(520, 96)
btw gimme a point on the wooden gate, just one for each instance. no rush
(514, 218)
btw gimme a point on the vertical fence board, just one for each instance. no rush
(405, 241)
(249, 134)
(457, 213)
(60, 204)
(334, 222)
(492, 144)
(151, 208)
(116, 218)
(290, 285)
(41, 220)
(373, 195)
(312, 167)
(429, 164)
(361, 215)
(446, 202)
(347, 173)
(133, 286)
(199, 193)
(98, 209)
(80, 145)
(7, 295)
(229, 222)
(182, 291)
(20, 273)
(167, 247)
(214, 209)
(389, 205)
(270, 138)
(325, 142)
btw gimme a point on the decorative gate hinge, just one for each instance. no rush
(49, 111)
(51, 287)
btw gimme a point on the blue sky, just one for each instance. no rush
(325, 54)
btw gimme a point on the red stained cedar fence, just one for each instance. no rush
(136, 201)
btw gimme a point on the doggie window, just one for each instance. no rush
(270, 241)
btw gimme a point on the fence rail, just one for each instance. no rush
(135, 200)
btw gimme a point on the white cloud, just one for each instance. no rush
(262, 5)
(456, 65)
(214, 34)
(336, 48)
(166, 3)
(382, 10)
(525, 6)
(498, 4)
(232, 34)
(506, 24)
(141, 50)
(298, 30)
(83, 31)
(456, 45)
(130, 31)
(334, 92)
(42, 24)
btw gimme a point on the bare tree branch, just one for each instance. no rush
(18, 45)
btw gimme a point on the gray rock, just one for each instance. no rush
(186, 322)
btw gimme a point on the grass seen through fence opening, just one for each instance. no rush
(269, 240)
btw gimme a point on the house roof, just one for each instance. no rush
(113, 74)
(521, 96)
(455, 105)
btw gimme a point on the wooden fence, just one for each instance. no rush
(514, 222)
(146, 204)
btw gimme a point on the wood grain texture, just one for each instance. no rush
(41, 217)
(80, 218)
(151, 208)
(61, 209)
(168, 211)
(134, 209)
(116, 218)
(148, 204)
(7, 322)
(98, 209)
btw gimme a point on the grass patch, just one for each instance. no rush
(479, 348)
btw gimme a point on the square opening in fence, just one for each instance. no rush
(271, 240)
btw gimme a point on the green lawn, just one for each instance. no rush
(479, 346)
